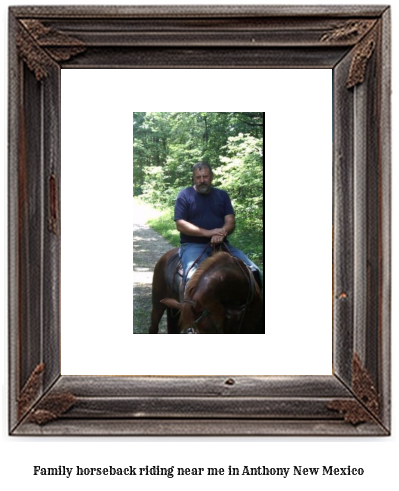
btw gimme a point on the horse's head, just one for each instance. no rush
(218, 297)
(201, 316)
(198, 318)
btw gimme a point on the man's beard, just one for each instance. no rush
(203, 188)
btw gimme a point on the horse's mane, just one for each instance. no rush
(203, 268)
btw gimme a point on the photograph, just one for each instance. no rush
(197, 178)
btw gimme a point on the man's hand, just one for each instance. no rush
(218, 231)
(218, 235)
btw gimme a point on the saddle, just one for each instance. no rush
(174, 276)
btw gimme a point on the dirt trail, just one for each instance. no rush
(148, 247)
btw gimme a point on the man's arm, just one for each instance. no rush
(188, 228)
(229, 224)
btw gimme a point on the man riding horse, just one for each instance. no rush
(222, 296)
(204, 214)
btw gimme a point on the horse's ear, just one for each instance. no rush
(172, 303)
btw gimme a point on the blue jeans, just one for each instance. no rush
(189, 254)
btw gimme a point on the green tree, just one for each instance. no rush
(242, 176)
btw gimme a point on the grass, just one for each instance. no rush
(165, 226)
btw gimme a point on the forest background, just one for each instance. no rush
(165, 147)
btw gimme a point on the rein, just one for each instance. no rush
(196, 260)
(215, 246)
(205, 313)
(251, 290)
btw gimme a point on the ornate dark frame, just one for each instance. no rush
(353, 41)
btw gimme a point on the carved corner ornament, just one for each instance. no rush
(367, 406)
(351, 31)
(39, 46)
(30, 390)
(364, 34)
(362, 54)
(49, 408)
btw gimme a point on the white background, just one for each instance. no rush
(96, 259)
(378, 456)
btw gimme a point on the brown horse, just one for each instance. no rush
(163, 286)
(221, 297)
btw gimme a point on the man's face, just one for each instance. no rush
(202, 180)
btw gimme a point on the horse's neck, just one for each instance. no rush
(224, 284)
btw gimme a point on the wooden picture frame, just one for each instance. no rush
(353, 41)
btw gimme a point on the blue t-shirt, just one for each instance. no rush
(204, 210)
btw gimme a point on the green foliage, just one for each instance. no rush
(242, 176)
